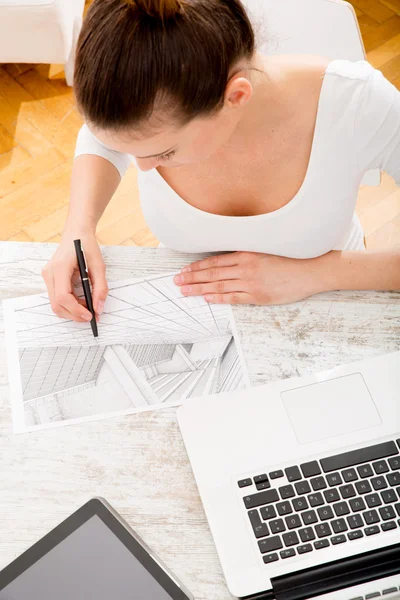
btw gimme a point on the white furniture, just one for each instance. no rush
(326, 27)
(138, 463)
(40, 31)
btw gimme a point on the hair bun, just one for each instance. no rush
(160, 9)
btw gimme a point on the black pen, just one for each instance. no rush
(85, 283)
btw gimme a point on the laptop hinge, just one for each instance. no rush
(267, 595)
(338, 575)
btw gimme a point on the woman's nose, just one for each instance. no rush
(146, 164)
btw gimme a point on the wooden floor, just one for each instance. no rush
(39, 124)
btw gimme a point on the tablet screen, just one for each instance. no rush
(90, 564)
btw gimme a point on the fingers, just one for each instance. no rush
(97, 274)
(221, 260)
(63, 301)
(208, 275)
(218, 287)
(231, 298)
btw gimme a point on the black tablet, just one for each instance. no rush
(92, 555)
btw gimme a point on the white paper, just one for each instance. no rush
(155, 348)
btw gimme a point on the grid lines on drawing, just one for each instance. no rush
(46, 371)
(147, 312)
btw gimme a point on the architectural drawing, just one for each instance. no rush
(155, 347)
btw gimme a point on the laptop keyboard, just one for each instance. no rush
(325, 502)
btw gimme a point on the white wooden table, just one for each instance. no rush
(138, 463)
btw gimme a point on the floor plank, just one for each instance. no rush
(13, 178)
(377, 215)
(373, 35)
(374, 9)
(385, 53)
(26, 206)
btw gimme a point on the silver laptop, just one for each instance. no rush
(300, 481)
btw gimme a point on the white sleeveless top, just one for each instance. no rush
(357, 128)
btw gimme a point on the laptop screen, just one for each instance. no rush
(90, 563)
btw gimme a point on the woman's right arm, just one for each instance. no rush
(96, 174)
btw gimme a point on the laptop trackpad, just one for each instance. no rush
(330, 408)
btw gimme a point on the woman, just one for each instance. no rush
(258, 157)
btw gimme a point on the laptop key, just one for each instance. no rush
(284, 508)
(268, 512)
(291, 538)
(300, 504)
(341, 509)
(365, 471)
(302, 487)
(359, 456)
(379, 483)
(371, 530)
(397, 507)
(266, 497)
(318, 483)
(323, 530)
(319, 544)
(270, 544)
(244, 483)
(372, 595)
(260, 529)
(293, 474)
(380, 467)
(389, 496)
(315, 499)
(293, 521)
(349, 475)
(394, 463)
(264, 485)
(310, 469)
(339, 525)
(260, 478)
(286, 491)
(389, 525)
(390, 590)
(355, 535)
(307, 534)
(338, 539)
(363, 487)
(334, 479)
(276, 474)
(387, 513)
(325, 513)
(304, 548)
(371, 517)
(287, 553)
(277, 526)
(331, 495)
(309, 517)
(357, 504)
(347, 491)
(373, 500)
(393, 479)
(270, 558)
(355, 521)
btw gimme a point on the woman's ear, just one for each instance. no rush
(238, 92)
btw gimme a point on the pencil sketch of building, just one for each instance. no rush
(155, 347)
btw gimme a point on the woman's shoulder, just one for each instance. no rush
(301, 78)
(307, 71)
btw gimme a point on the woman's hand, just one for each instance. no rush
(251, 278)
(61, 273)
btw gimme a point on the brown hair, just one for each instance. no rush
(134, 55)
